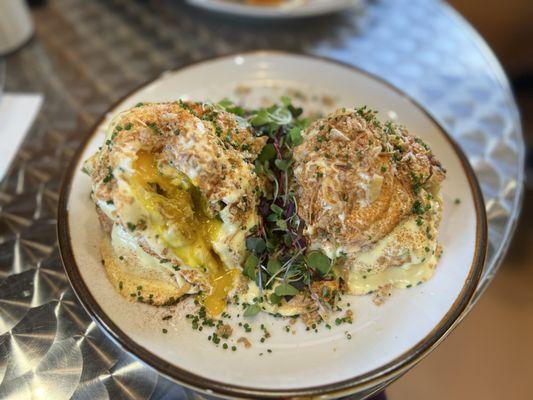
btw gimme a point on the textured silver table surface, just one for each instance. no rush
(88, 54)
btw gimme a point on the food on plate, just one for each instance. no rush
(369, 195)
(176, 193)
(263, 209)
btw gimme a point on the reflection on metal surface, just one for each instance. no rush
(92, 389)
(99, 354)
(58, 373)
(27, 343)
(86, 55)
(71, 318)
(16, 389)
(129, 378)
(49, 281)
(15, 298)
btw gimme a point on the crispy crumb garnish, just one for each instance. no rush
(311, 318)
(245, 342)
(439, 251)
(224, 331)
(358, 179)
(326, 291)
(382, 294)
(348, 315)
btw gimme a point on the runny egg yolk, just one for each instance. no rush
(174, 204)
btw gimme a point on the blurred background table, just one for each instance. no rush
(88, 54)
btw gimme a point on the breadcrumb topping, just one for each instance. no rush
(357, 178)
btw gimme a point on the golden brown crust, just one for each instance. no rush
(358, 179)
(140, 283)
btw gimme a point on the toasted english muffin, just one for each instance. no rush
(139, 277)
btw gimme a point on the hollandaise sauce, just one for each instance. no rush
(399, 277)
(177, 213)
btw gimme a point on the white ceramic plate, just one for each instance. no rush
(385, 340)
(289, 9)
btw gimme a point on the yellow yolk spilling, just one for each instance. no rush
(215, 302)
(174, 204)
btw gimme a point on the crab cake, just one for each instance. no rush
(175, 187)
(369, 195)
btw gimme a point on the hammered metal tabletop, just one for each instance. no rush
(87, 54)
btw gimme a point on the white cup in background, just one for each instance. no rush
(16, 25)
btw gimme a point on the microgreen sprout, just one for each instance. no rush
(278, 258)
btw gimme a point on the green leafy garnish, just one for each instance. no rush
(274, 115)
(285, 289)
(417, 208)
(282, 164)
(251, 310)
(261, 118)
(275, 299)
(295, 134)
(273, 266)
(319, 262)
(250, 266)
(255, 244)
(229, 106)
(268, 153)
(109, 175)
(281, 224)
(278, 258)
(277, 209)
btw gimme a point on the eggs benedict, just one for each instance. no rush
(176, 193)
(260, 206)
(369, 194)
